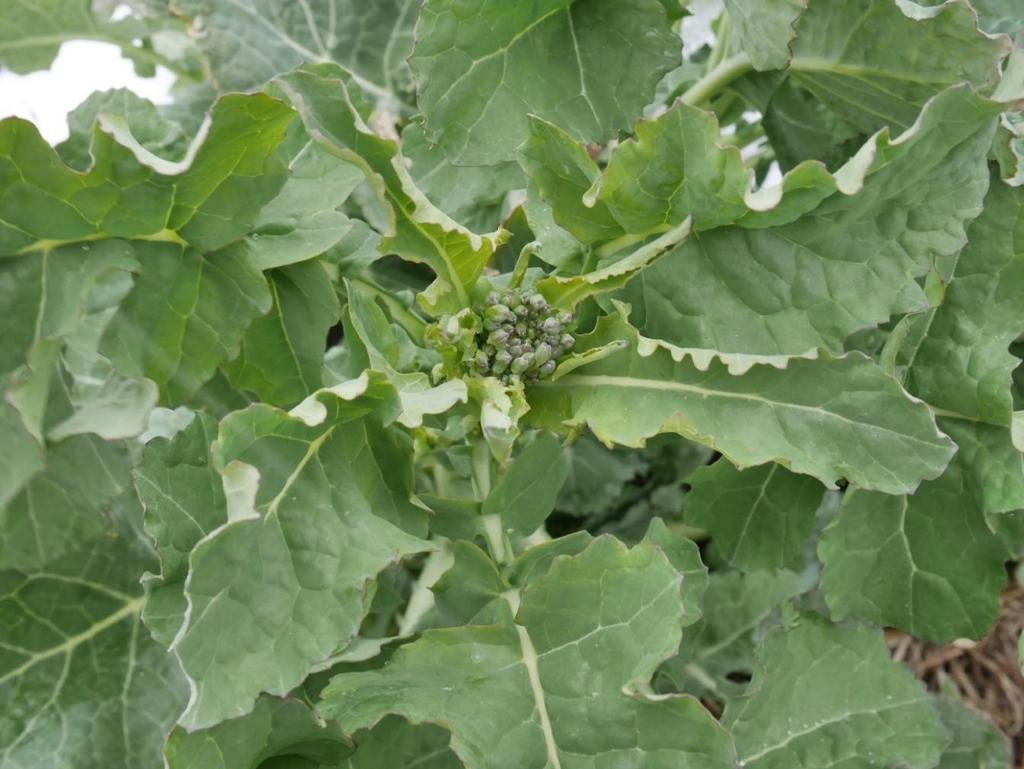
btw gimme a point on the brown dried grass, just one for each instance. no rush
(985, 672)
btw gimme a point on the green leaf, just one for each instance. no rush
(799, 127)
(597, 476)
(65, 504)
(962, 363)
(549, 689)
(829, 418)
(303, 221)
(758, 518)
(247, 43)
(482, 68)
(208, 199)
(184, 501)
(470, 592)
(526, 493)
(737, 608)
(992, 465)
(31, 34)
(997, 16)
(927, 563)
(976, 743)
(80, 680)
(307, 492)
(373, 341)
(786, 288)
(420, 232)
(284, 727)
(826, 696)
(875, 63)
(282, 353)
(562, 172)
(152, 130)
(674, 168)
(765, 29)
(471, 195)
(186, 315)
(684, 555)
(394, 742)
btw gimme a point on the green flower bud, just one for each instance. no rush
(498, 337)
(502, 360)
(547, 369)
(542, 354)
(482, 361)
(551, 326)
(522, 363)
(567, 342)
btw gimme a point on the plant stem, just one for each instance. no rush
(717, 79)
(721, 41)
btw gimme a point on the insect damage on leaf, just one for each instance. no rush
(478, 384)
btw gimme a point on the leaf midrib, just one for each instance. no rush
(129, 608)
(633, 383)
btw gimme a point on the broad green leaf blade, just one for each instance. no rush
(373, 342)
(562, 173)
(482, 67)
(307, 491)
(275, 727)
(152, 130)
(995, 16)
(27, 454)
(992, 464)
(829, 418)
(737, 609)
(53, 294)
(394, 742)
(209, 198)
(926, 563)
(684, 555)
(849, 262)
(876, 62)
(31, 34)
(765, 29)
(282, 353)
(962, 363)
(526, 494)
(183, 498)
(66, 504)
(420, 232)
(758, 518)
(247, 43)
(471, 195)
(303, 221)
(548, 690)
(597, 476)
(975, 742)
(470, 592)
(185, 315)
(81, 682)
(674, 168)
(826, 696)
(799, 128)
(567, 292)
(54, 385)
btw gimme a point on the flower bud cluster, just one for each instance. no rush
(515, 336)
(522, 337)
